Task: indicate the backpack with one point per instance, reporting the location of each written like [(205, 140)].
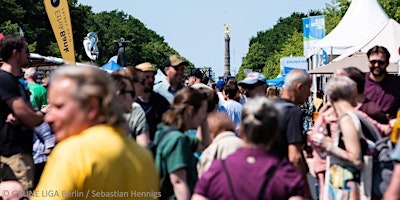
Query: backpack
[(152, 146), (382, 162)]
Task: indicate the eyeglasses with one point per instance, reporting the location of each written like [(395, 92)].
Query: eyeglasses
[(380, 62), (131, 92)]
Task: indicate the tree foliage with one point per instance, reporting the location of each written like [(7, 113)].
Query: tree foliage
[(144, 44)]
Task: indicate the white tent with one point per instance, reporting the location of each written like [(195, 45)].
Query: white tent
[(358, 59), (361, 19), (388, 35)]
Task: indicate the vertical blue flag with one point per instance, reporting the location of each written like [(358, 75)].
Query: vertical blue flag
[(313, 31)]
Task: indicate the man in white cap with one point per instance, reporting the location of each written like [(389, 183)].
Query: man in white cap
[(254, 85)]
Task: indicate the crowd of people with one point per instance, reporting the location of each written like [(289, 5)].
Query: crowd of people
[(90, 134)]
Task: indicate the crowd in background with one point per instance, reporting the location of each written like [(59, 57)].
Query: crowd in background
[(119, 135)]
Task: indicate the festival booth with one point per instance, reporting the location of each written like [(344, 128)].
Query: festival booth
[(362, 20), (358, 59)]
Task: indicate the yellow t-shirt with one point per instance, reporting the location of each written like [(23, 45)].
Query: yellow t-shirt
[(100, 162)]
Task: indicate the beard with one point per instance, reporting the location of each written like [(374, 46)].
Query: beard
[(376, 71), (147, 90)]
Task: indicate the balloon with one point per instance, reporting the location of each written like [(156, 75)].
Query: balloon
[(90, 45)]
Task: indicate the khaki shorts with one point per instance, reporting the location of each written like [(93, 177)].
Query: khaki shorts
[(23, 168)]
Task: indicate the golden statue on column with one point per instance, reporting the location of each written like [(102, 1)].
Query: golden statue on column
[(227, 26)]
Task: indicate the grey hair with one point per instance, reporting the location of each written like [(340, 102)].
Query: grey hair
[(294, 77), (91, 81), (260, 121), (30, 72), (341, 88)]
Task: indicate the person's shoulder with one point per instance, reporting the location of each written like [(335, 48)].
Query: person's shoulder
[(158, 97), (6, 76), (392, 78), (160, 85)]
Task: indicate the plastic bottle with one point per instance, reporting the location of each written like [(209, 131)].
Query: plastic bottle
[(394, 137), (322, 131)]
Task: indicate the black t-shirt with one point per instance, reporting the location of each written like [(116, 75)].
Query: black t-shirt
[(13, 138), (154, 110), (290, 126)]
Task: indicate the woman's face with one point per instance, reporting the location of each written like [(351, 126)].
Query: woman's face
[(198, 117), (126, 97), (65, 116)]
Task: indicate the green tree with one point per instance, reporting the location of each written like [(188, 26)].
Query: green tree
[(254, 59), (392, 8)]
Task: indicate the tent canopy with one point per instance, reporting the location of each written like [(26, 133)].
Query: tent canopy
[(361, 19), (388, 35), (279, 81), (111, 66), (358, 60)]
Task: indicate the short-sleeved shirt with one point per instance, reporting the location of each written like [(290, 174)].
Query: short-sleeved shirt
[(38, 95), (247, 168), (224, 144), (154, 110), (234, 110), (136, 120), (385, 93), (175, 151), (165, 90), (101, 161), (13, 138), (290, 127)]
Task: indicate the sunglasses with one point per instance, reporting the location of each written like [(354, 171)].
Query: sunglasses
[(135, 80), (131, 92), (177, 68), (250, 87), (380, 62)]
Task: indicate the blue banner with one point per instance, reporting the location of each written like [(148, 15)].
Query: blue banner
[(313, 31)]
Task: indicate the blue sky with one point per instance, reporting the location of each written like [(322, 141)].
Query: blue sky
[(196, 28)]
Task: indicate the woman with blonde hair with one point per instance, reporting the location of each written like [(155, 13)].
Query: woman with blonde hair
[(345, 150), (273, 92)]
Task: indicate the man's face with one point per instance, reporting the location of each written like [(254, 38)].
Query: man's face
[(23, 56), (65, 116), (378, 64), (302, 92), (175, 74), (148, 78), (257, 89)]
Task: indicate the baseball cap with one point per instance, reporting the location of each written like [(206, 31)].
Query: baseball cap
[(174, 60), (220, 84), (145, 67), (196, 73), (252, 78)]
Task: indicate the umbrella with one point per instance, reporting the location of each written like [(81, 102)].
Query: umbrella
[(111, 66)]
